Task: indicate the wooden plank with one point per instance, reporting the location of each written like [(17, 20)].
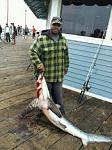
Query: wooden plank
[(79, 114), (42, 141), (16, 92), (6, 81), (95, 119), (66, 143), (9, 73), (9, 117), (18, 135), (13, 124), (70, 100), (21, 131), (13, 67), (5, 126), (18, 99), (19, 82), (14, 110)]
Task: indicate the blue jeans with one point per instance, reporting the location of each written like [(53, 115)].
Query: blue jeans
[(56, 92)]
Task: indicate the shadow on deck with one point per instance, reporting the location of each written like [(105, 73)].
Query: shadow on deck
[(17, 89)]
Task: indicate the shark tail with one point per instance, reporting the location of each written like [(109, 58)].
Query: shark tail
[(92, 138)]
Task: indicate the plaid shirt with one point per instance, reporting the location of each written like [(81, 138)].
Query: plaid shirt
[(54, 56)]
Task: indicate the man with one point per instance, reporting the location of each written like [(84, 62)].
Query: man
[(7, 33), (33, 32), (26, 31), (49, 54), (13, 32), (18, 30)]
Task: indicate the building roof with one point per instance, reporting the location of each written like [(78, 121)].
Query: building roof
[(40, 8)]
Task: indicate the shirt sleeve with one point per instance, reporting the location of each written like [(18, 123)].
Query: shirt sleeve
[(35, 52), (66, 56)]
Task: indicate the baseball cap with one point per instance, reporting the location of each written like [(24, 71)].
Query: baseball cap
[(56, 20)]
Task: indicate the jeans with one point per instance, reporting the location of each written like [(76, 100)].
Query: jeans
[(7, 37), (56, 92)]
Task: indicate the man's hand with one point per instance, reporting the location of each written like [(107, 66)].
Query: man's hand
[(41, 68)]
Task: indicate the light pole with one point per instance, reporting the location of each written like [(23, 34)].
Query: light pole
[(25, 17), (7, 11)]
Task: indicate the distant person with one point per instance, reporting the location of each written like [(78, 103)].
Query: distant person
[(21, 30), (11, 30), (33, 32), (18, 30), (26, 31), (14, 34), (7, 33), (0, 31)]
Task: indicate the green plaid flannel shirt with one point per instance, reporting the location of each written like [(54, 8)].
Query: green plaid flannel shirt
[(54, 56)]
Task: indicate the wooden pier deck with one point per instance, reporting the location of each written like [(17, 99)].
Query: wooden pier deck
[(17, 89)]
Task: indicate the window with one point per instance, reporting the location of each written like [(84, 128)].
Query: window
[(85, 20)]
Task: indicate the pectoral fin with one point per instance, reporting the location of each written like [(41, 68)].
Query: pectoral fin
[(54, 108), (56, 111)]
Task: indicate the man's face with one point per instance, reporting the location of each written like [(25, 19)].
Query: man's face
[(55, 28)]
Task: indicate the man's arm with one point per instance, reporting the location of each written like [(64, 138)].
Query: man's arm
[(35, 52), (66, 65)]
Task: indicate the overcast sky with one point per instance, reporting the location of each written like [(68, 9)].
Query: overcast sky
[(17, 14)]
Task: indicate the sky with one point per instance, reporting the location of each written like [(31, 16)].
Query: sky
[(17, 15)]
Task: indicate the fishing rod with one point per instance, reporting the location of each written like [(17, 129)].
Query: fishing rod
[(86, 85)]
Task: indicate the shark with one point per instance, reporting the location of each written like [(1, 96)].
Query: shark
[(45, 103)]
